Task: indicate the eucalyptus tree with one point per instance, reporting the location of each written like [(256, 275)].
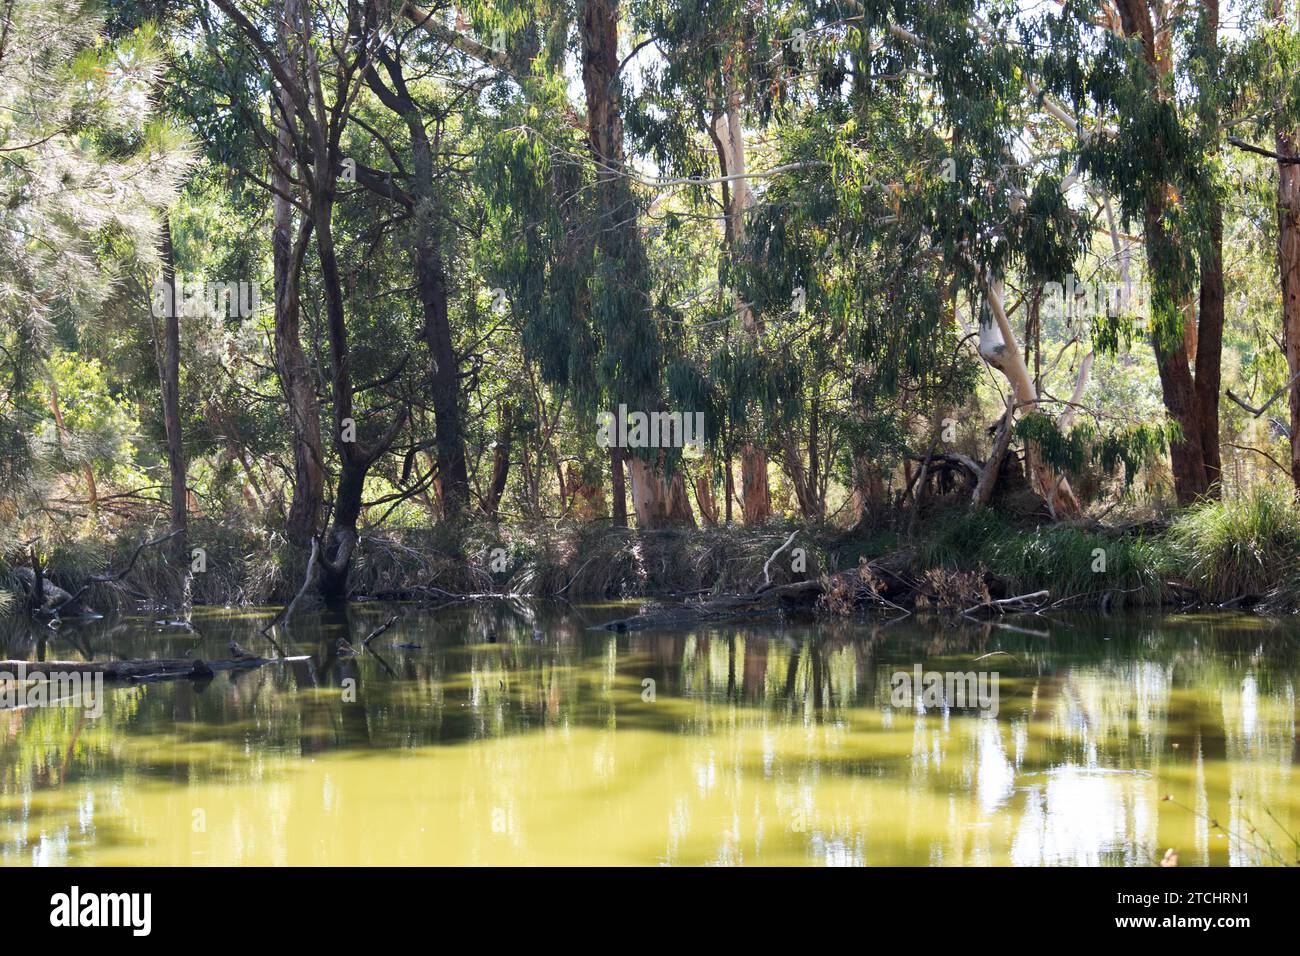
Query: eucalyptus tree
[(844, 265), (1147, 103), (905, 149), (317, 118), (1269, 62), (623, 307), (385, 76), (607, 286), (714, 65)]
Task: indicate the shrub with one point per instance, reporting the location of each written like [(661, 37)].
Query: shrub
[(1245, 546)]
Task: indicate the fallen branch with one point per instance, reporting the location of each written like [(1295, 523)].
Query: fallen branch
[(134, 670), (287, 611), (379, 630), (1020, 602), (110, 578), (769, 600), (767, 578)]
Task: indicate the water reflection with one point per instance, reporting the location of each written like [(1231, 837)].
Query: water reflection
[(523, 735)]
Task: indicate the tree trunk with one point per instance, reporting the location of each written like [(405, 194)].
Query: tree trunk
[(868, 487), (1288, 260), (290, 361), (340, 548), (804, 492), (755, 492), (729, 138), (1187, 455), (431, 278), (500, 463), (649, 503), (998, 347), (704, 497), (679, 502), (1192, 404), (1209, 352), (169, 374), (431, 283), (619, 242), (1288, 263), (618, 488)]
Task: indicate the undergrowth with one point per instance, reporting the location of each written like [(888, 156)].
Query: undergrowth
[(1244, 550)]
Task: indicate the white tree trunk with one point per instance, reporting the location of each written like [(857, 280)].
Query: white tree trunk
[(998, 347)]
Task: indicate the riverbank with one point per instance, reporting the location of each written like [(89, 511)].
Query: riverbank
[(1242, 554)]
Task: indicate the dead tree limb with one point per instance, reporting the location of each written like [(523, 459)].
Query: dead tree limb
[(1256, 412), (287, 611), (988, 478), (1019, 602), (133, 670), (379, 630), (110, 578), (767, 578)]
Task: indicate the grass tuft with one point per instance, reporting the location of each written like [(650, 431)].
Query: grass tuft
[(1241, 547)]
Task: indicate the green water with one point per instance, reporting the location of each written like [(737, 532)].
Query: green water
[(761, 744)]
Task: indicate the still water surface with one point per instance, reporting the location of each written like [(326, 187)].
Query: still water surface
[(518, 735)]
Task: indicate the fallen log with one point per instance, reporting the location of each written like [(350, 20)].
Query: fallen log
[(55, 601), (135, 670), (1021, 602), (769, 599)]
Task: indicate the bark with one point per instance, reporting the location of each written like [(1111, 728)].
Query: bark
[(169, 374), (756, 495), (679, 502), (618, 237), (729, 139), (618, 488), (444, 383), (431, 283), (1209, 351), (868, 487), (657, 501), (356, 458), (804, 490), (1288, 261), (988, 478), (998, 347), (290, 360), (1193, 404), (339, 548), (1066, 419), (649, 503), (704, 496), (500, 464)]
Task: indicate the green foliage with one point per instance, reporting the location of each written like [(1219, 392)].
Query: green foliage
[(1131, 447), (1064, 560), (1239, 547)]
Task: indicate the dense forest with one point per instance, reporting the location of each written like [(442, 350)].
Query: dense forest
[(368, 298)]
